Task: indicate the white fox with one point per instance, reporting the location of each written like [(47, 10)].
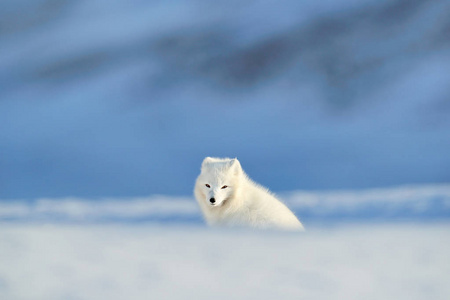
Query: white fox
[(227, 196)]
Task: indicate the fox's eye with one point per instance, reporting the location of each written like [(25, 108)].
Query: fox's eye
[(225, 186), (207, 185)]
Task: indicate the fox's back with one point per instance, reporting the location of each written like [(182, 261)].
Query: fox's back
[(266, 210)]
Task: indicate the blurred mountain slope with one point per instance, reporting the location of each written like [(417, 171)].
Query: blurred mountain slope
[(126, 98)]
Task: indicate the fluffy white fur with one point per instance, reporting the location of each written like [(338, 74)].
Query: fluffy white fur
[(238, 201)]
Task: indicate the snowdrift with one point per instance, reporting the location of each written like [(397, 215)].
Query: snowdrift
[(415, 203)]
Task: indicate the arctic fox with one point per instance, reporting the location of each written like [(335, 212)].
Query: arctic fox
[(227, 196)]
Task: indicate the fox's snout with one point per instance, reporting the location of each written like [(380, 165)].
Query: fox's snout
[(212, 200)]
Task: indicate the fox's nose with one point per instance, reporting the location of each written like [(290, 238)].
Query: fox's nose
[(212, 200)]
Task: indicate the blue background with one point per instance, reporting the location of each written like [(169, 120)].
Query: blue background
[(109, 98)]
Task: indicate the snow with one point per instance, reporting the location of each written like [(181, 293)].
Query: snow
[(389, 243), (413, 202), (50, 262)]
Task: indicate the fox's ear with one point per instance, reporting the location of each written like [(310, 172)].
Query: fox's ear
[(235, 166), (206, 161)]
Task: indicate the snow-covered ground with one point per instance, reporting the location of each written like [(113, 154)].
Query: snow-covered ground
[(414, 203), (59, 262), (391, 243)]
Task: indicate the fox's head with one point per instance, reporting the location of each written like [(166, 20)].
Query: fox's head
[(218, 179)]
